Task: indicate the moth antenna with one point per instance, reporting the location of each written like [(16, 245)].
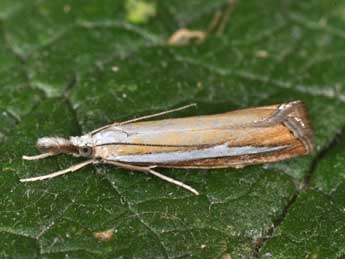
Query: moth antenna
[(143, 118), (159, 114)]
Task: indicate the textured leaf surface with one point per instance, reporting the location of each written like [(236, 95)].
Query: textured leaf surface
[(68, 67)]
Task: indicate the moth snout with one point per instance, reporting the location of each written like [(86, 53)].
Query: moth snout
[(55, 145)]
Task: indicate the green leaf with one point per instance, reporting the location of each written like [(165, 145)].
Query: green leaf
[(68, 67)]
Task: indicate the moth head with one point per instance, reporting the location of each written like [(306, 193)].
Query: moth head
[(83, 144), (76, 146), (56, 145)]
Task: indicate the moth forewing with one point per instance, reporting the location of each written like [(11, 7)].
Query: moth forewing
[(232, 139)]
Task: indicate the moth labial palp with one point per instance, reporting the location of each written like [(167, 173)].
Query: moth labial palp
[(229, 140)]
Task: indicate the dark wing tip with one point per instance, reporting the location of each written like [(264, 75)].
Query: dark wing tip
[(296, 118)]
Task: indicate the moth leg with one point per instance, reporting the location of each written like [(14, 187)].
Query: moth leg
[(150, 171), (61, 172), (40, 156)]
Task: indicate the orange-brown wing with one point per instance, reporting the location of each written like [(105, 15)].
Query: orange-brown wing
[(255, 135)]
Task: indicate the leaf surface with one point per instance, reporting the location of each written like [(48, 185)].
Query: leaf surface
[(68, 67)]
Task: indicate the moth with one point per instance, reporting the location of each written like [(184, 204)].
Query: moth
[(232, 139)]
